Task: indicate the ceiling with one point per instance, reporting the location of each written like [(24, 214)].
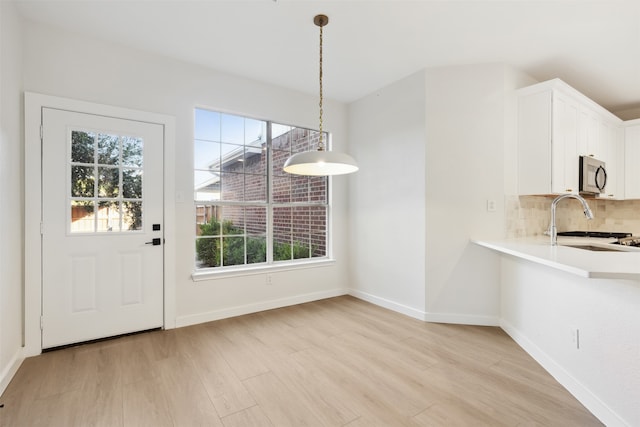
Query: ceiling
[(592, 45)]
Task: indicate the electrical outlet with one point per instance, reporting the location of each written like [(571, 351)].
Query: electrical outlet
[(491, 205), (269, 280)]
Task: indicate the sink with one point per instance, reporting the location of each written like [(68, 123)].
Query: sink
[(596, 248)]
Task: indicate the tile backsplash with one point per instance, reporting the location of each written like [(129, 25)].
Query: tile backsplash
[(530, 215)]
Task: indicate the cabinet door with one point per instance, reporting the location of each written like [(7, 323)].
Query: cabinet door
[(612, 137), (632, 159), (589, 141), (534, 143), (564, 156)]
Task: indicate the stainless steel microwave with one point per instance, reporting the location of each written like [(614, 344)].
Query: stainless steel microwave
[(593, 175)]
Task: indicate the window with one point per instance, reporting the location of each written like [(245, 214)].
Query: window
[(248, 210), (105, 175)]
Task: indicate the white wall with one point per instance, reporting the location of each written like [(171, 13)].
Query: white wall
[(434, 145), (11, 177), (465, 143), (387, 137), (541, 306), (64, 64)]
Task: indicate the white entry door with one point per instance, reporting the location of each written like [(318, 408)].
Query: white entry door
[(102, 230)]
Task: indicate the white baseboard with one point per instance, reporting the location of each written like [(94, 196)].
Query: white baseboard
[(598, 408), (209, 316), (10, 370), (391, 305), (463, 319)]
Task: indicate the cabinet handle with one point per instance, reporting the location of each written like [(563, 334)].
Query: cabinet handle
[(569, 190)]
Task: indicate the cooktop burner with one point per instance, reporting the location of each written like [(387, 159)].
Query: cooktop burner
[(604, 234)]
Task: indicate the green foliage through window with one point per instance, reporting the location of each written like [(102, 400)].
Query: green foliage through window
[(213, 235)]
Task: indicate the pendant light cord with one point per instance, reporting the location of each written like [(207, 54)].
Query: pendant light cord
[(321, 143)]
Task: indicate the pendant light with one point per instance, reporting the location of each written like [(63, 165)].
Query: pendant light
[(320, 162)]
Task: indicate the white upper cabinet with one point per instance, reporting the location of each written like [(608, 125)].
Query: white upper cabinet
[(632, 158), (612, 137), (557, 125)]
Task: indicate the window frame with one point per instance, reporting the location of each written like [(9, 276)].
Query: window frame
[(270, 265)]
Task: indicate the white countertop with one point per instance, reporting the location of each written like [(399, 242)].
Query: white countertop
[(624, 264)]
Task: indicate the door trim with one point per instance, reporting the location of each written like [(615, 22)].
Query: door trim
[(33, 104)]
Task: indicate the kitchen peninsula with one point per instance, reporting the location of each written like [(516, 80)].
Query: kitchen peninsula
[(574, 310), (617, 263)]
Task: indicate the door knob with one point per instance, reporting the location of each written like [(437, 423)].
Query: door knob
[(155, 242)]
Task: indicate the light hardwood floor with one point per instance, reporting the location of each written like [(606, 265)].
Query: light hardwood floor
[(336, 362)]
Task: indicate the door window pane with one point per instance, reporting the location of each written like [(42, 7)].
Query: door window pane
[(82, 217), (132, 216), (82, 181), (82, 147), (132, 151), (108, 149), (108, 182), (108, 218), (132, 183)]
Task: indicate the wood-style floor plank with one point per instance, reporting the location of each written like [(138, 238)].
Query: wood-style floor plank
[(335, 362)]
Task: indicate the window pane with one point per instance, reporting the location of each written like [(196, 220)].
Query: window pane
[(300, 227), (281, 191), (82, 217), (132, 183), (282, 234), (233, 251), (281, 137), (232, 220), (232, 129), (300, 188), (318, 189), (206, 185), (206, 220), (206, 155), (254, 131), (82, 147), (303, 140), (256, 220), (232, 187), (256, 249), (231, 159), (108, 149), (318, 230), (255, 188), (207, 125), (255, 159), (132, 216), (82, 181), (132, 151), (278, 158), (108, 182), (208, 252), (108, 216)]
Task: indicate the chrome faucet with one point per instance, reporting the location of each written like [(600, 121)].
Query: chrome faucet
[(553, 231)]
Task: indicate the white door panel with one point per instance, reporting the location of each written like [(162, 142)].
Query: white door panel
[(102, 195)]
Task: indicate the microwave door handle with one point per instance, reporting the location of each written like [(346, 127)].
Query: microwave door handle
[(604, 183)]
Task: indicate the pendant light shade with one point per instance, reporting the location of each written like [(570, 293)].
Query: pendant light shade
[(320, 162)]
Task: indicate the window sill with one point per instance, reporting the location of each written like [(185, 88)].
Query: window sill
[(203, 275)]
